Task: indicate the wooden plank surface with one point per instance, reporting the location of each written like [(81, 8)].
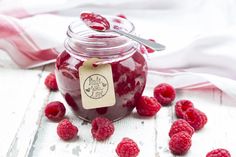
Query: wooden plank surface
[(26, 132)]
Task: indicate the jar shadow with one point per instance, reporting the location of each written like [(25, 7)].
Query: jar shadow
[(137, 116)]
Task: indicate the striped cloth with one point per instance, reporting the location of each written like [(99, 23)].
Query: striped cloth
[(200, 35)]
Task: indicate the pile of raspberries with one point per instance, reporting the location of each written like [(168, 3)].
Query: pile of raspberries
[(190, 120)]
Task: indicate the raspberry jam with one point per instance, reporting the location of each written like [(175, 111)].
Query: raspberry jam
[(95, 21), (129, 68)]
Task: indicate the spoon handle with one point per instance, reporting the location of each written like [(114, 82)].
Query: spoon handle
[(148, 43)]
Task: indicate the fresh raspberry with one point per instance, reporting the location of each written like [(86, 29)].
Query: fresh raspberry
[(127, 148), (181, 107), (164, 93), (147, 106), (55, 110), (66, 130), (181, 125), (51, 82), (149, 50), (196, 118), (180, 143), (218, 153), (122, 16), (102, 128)]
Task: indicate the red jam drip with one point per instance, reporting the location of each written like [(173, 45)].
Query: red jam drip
[(95, 21)]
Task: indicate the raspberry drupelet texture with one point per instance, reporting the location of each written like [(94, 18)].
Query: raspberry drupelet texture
[(181, 107), (164, 93), (220, 152), (179, 126), (66, 130), (55, 111), (102, 128), (180, 143), (127, 148), (147, 106), (51, 82), (196, 118)]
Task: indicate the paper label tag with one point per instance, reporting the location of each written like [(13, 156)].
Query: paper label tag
[(96, 85)]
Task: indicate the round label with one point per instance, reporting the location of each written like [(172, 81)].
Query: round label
[(95, 86)]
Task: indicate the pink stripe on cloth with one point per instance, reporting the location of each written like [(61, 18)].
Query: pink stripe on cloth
[(163, 71), (194, 85), (26, 36), (201, 85), (6, 30), (20, 46), (187, 84), (19, 58), (47, 54), (23, 59)]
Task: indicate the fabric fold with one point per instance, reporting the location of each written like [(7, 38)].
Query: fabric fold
[(200, 36)]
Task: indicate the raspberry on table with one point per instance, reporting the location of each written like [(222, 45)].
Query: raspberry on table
[(55, 111), (181, 107), (127, 148), (179, 126), (102, 128), (51, 82), (180, 143), (149, 50), (66, 130), (196, 118), (147, 106), (220, 152), (164, 93)]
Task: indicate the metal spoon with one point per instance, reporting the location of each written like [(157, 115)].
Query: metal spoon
[(148, 43), (101, 24)]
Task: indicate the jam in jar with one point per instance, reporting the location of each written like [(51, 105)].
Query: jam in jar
[(128, 66)]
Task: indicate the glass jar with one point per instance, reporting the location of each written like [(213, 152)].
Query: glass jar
[(129, 68)]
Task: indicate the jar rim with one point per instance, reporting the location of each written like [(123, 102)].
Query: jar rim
[(110, 19), (78, 33)]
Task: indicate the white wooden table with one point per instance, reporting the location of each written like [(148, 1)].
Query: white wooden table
[(25, 132)]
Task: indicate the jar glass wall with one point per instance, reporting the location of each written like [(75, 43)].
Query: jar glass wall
[(129, 68)]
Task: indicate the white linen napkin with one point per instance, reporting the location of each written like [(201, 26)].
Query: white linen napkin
[(200, 35)]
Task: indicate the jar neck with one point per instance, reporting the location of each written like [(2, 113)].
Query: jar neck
[(84, 43)]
